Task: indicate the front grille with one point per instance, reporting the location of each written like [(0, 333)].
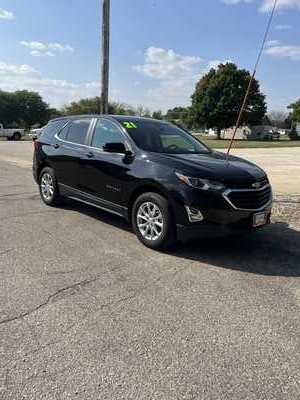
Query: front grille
[(249, 199), (247, 185)]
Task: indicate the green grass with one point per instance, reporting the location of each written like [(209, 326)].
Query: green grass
[(248, 144)]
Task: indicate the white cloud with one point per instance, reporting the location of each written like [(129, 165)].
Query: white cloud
[(161, 63), (291, 52), (267, 5), (39, 49), (17, 70), (282, 27), (230, 2), (55, 91), (272, 43), (8, 15), (38, 53), (34, 45), (60, 47), (176, 76)]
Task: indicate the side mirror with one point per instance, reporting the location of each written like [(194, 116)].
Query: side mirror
[(116, 148)]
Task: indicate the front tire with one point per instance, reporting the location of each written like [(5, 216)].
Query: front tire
[(152, 221), (48, 187)]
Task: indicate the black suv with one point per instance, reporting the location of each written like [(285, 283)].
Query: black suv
[(156, 175)]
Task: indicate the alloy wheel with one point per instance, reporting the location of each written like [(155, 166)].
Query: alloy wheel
[(150, 221), (47, 186)]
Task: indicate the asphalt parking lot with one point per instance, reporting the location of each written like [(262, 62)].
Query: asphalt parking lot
[(87, 312)]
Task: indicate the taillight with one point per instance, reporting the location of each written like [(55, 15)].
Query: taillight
[(36, 144)]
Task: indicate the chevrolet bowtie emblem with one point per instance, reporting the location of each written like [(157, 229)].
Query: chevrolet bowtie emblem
[(256, 185)]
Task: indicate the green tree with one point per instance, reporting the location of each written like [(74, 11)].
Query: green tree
[(30, 108), (181, 116), (157, 114), (121, 109), (23, 108), (83, 106), (218, 97), (176, 114), (142, 111), (278, 119), (92, 106), (294, 115), (7, 114), (293, 119), (54, 113)]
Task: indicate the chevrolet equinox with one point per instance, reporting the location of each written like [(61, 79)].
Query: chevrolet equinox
[(153, 173)]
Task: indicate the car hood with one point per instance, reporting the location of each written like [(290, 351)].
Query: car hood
[(215, 166)]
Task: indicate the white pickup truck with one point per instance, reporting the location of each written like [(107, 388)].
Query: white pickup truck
[(11, 134)]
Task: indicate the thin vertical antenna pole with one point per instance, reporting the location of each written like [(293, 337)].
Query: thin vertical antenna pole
[(239, 119)]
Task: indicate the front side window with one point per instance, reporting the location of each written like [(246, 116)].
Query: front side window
[(162, 137), (77, 131), (106, 132)]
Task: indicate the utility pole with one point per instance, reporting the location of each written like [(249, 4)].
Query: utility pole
[(105, 56)]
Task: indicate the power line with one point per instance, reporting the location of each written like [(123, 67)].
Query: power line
[(252, 77)]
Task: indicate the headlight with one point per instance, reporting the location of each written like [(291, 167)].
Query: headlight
[(199, 183)]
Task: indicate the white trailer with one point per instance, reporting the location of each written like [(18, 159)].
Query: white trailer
[(298, 128), (11, 134)]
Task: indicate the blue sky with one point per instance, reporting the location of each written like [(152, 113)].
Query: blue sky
[(159, 48)]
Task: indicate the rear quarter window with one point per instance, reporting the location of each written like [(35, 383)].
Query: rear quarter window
[(63, 134), (51, 129)]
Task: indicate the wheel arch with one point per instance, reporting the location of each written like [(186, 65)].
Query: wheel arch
[(43, 164), (146, 188)]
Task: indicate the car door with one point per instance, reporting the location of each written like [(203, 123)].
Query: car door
[(71, 147), (106, 175)]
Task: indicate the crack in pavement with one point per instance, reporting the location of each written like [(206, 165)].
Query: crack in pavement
[(79, 285), (16, 194), (88, 313), (156, 342), (28, 213), (6, 251), (49, 299)]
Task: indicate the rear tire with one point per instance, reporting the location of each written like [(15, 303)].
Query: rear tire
[(49, 188), (16, 136), (153, 222)]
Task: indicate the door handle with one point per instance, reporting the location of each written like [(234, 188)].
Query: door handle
[(56, 145), (90, 154)]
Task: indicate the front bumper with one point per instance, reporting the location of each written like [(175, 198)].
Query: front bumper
[(219, 216), (208, 229)]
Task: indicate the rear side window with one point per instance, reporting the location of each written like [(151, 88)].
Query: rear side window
[(77, 131), (51, 129), (106, 132)]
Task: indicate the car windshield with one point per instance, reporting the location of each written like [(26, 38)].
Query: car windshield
[(163, 137)]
